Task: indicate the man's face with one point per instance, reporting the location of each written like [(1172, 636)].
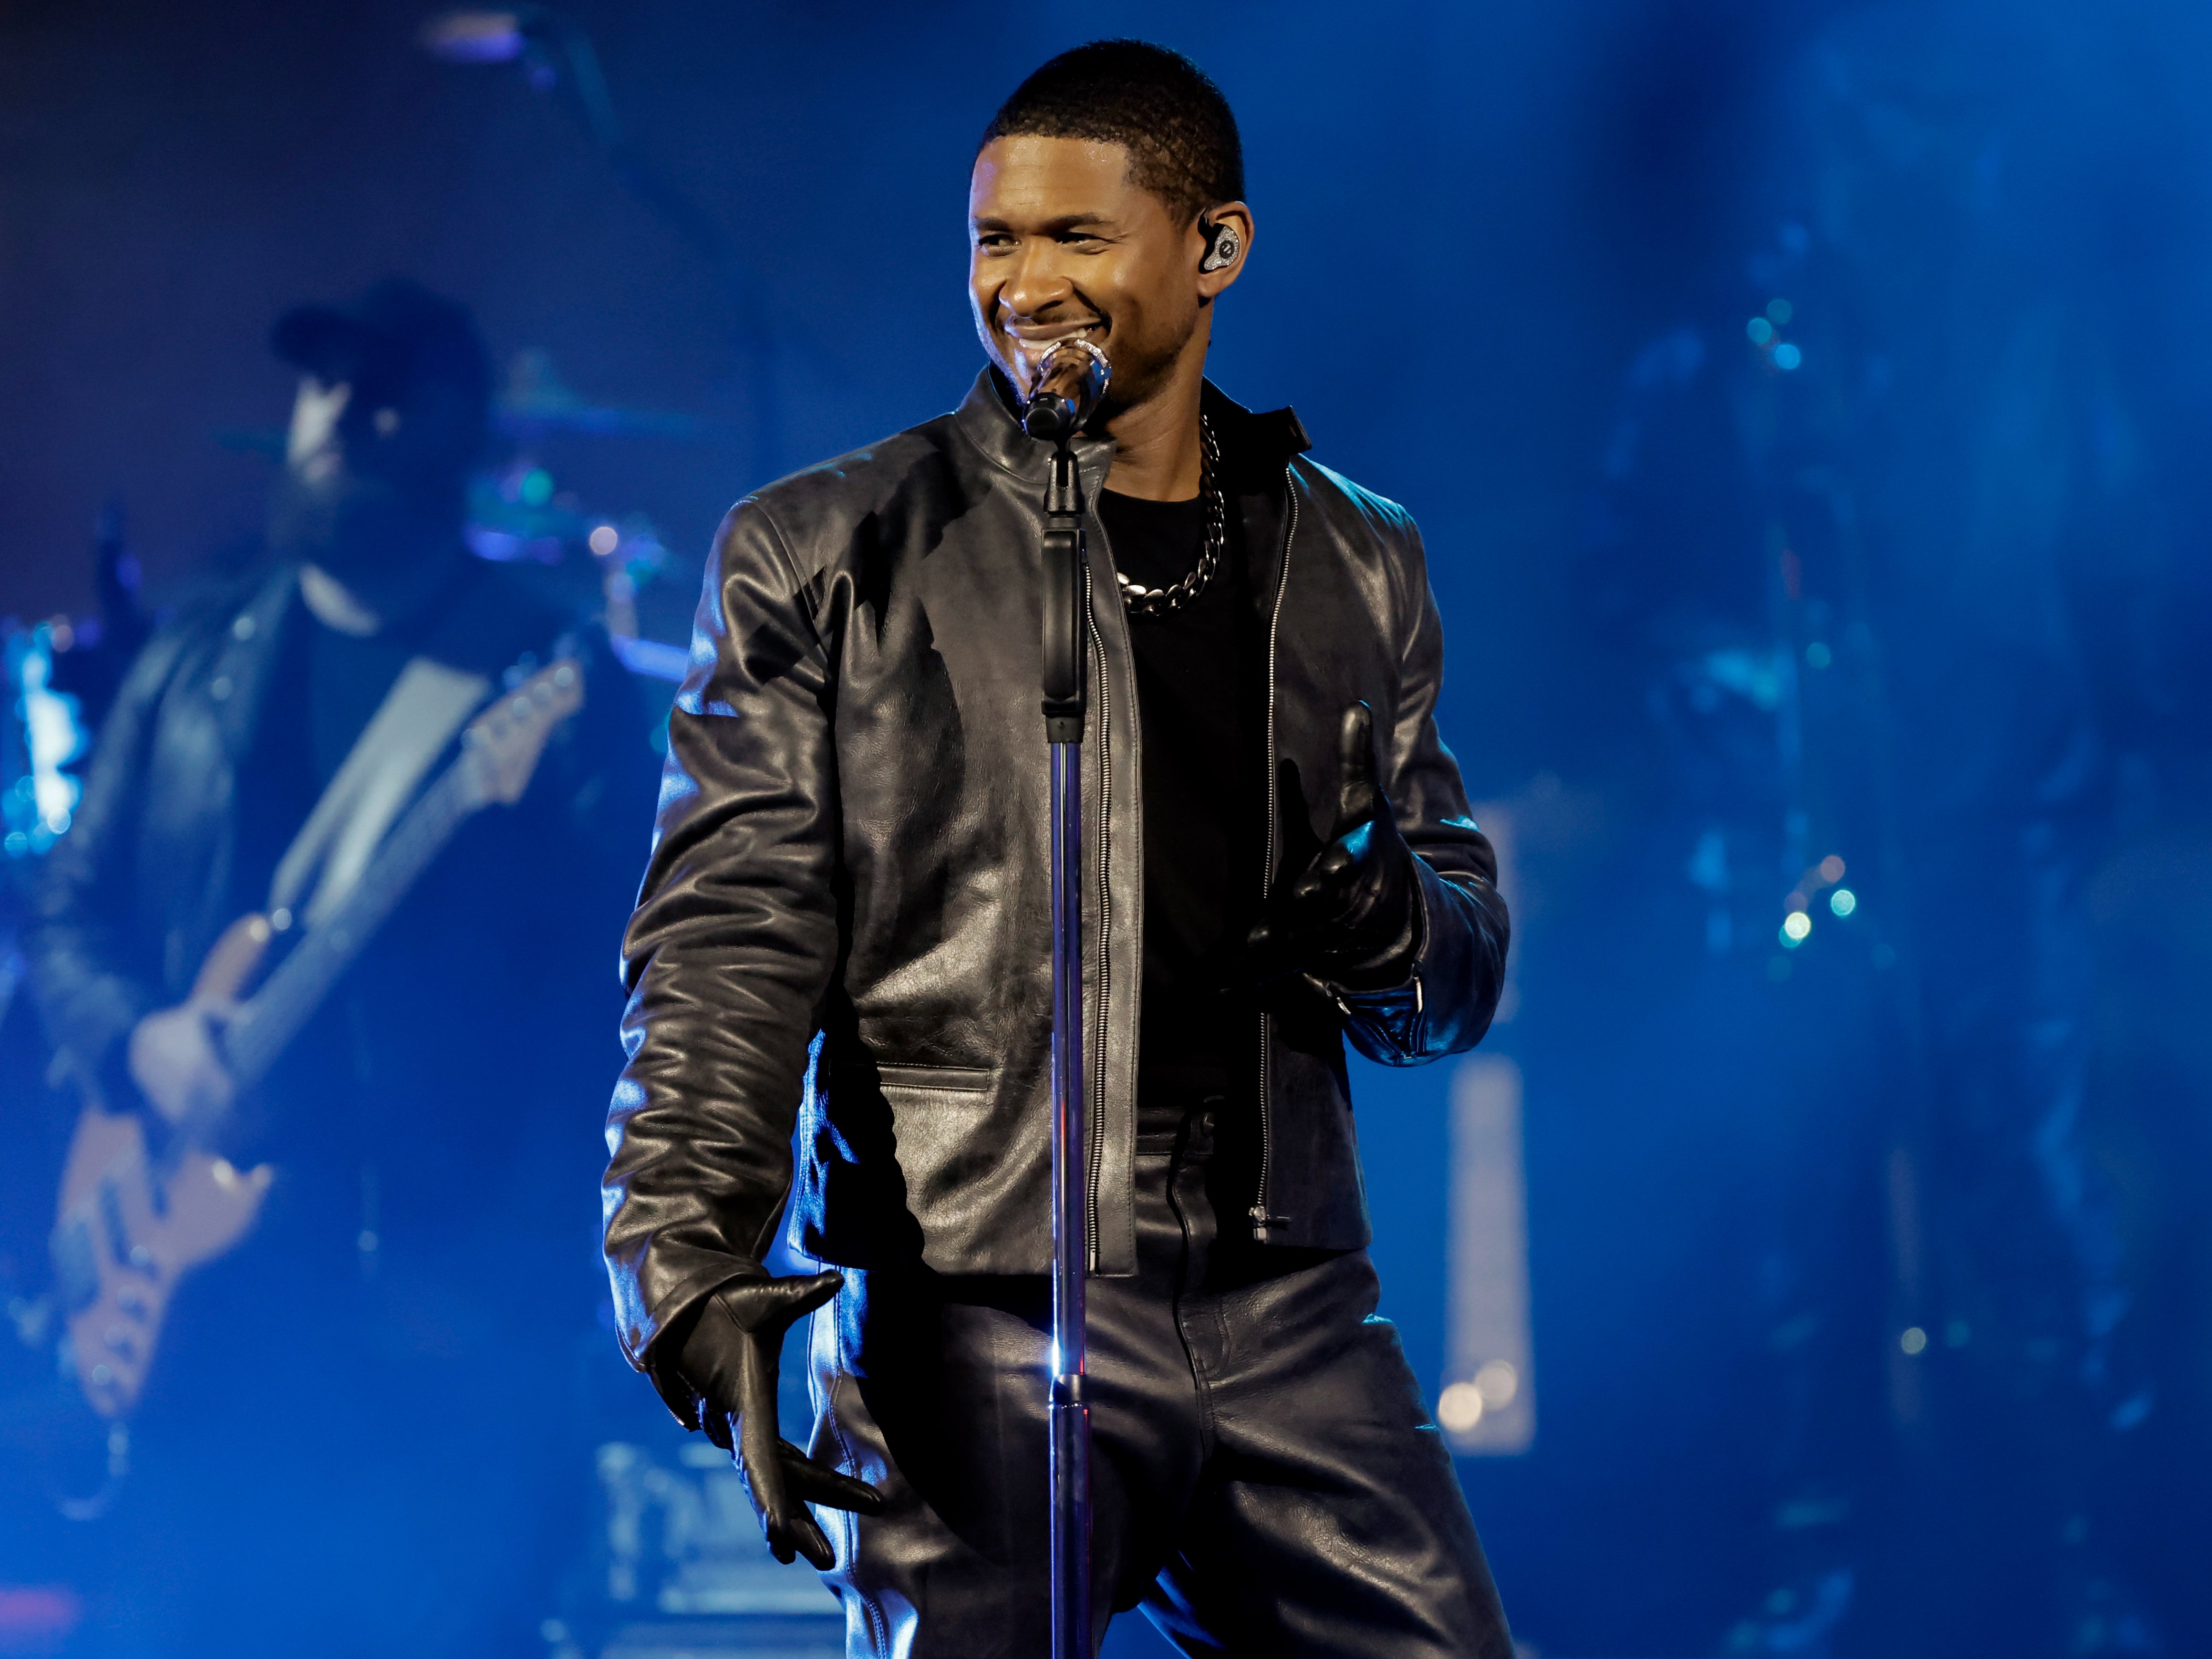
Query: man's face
[(1062, 243), (364, 478)]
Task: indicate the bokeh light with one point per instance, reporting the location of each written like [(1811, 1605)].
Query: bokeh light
[(1459, 1408)]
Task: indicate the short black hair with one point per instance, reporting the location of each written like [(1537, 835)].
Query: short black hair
[(1156, 104)]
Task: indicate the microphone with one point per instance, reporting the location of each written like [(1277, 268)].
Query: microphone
[(1071, 379)]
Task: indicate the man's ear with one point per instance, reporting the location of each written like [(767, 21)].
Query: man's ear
[(1224, 235)]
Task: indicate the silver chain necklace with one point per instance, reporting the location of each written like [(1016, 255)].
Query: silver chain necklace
[(1142, 601)]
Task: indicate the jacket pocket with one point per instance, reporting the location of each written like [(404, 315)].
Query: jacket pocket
[(941, 1128), (951, 1079)]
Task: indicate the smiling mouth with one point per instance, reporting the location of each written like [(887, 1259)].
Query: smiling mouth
[(1035, 339), (1031, 343)]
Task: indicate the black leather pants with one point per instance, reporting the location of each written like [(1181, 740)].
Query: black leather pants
[(1266, 1478)]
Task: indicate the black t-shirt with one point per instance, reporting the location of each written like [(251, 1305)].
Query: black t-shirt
[(348, 678), (408, 1105), (327, 687), (1199, 696)]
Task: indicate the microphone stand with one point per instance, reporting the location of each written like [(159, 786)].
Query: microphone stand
[(1067, 699)]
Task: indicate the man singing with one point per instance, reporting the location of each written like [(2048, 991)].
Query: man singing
[(845, 927)]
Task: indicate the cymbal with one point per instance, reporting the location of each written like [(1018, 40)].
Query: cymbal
[(536, 399)]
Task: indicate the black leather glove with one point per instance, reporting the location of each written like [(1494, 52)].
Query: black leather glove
[(1351, 915), (731, 1359)]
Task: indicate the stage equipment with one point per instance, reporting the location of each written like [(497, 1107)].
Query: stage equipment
[(1070, 380)]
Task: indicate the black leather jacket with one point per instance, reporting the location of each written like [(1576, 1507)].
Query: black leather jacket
[(852, 847), (149, 874)]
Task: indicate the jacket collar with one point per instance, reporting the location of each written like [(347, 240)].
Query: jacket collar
[(1254, 448)]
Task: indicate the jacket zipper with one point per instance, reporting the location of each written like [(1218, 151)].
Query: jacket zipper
[(1094, 1107), (1261, 1220)]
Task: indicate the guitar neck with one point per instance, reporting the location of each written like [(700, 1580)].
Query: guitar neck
[(268, 1021)]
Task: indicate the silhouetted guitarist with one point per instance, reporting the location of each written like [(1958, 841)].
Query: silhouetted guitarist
[(350, 1415)]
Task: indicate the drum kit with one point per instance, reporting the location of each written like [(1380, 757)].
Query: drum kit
[(520, 514)]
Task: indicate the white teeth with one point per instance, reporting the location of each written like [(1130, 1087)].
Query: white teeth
[(1031, 350), (1042, 343)]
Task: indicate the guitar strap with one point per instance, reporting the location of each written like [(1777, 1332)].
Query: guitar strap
[(418, 717)]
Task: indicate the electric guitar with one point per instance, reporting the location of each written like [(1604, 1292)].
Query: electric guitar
[(132, 1221)]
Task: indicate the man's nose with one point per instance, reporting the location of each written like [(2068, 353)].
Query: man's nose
[(316, 412), (1037, 280)]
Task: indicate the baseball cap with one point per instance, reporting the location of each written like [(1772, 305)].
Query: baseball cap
[(395, 341)]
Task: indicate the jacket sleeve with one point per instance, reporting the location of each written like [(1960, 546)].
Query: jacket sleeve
[(729, 953), (90, 986), (1445, 1004)]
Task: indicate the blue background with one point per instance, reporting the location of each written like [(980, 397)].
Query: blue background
[(1505, 262)]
